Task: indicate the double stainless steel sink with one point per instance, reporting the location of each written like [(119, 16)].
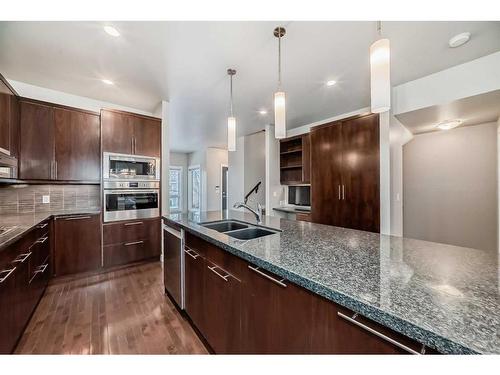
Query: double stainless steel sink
[(239, 230)]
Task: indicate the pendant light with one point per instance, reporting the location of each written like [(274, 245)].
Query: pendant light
[(231, 120), (279, 96), (380, 74)]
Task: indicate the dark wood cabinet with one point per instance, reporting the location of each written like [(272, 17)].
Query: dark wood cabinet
[(241, 308), (36, 160), (129, 133), (9, 119), (77, 145), (345, 179), (58, 143), (77, 244), (295, 160), (24, 274), (131, 241)]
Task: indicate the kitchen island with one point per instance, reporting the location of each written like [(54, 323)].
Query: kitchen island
[(444, 297)]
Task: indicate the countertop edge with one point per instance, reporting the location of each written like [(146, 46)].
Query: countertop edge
[(400, 325), (50, 215)]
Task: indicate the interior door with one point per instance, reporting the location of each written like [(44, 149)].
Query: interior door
[(37, 142), (117, 132), (326, 182), (77, 145), (361, 173)]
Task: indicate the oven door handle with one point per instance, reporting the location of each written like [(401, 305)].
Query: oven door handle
[(132, 190)]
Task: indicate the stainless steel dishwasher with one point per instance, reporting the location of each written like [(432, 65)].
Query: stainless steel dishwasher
[(173, 264)]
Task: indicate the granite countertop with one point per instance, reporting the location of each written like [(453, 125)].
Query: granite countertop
[(292, 210), (444, 296), (26, 222)]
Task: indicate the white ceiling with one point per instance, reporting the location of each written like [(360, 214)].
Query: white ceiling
[(185, 63)]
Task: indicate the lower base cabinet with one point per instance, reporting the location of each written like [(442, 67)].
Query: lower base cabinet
[(77, 244), (241, 308), (24, 275), (131, 241)]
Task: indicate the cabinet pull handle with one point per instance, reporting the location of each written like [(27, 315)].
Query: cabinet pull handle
[(339, 192), (8, 273), (136, 223), (77, 218), (134, 243), (188, 252), (132, 145), (42, 240), (376, 333), (41, 226), (21, 258), (55, 168), (225, 278), (279, 282), (343, 192)]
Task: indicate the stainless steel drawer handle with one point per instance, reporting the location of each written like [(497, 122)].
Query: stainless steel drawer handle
[(136, 223), (42, 240), (41, 226), (21, 258), (42, 268), (134, 243), (77, 218), (7, 274), (188, 252), (279, 282), (376, 333), (225, 278)]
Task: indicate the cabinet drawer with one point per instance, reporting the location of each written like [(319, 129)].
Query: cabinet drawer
[(303, 217), (129, 231), (128, 252)]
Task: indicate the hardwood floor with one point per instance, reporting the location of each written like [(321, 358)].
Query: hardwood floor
[(123, 311)]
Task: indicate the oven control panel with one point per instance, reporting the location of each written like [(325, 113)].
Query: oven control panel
[(131, 184)]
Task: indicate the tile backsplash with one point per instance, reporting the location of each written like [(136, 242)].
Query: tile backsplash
[(29, 198)]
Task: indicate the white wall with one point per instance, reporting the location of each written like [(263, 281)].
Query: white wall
[(450, 185), (236, 173), (472, 78), (255, 167), (216, 157), (274, 191), (180, 159), (58, 97)]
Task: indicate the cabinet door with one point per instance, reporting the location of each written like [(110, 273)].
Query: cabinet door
[(326, 161), (306, 158), (117, 132), (37, 142), (361, 173), (77, 244), (9, 334), (147, 136), (222, 309), (77, 145), (5, 97), (194, 292)]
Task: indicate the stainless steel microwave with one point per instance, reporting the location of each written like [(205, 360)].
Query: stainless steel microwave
[(125, 167)]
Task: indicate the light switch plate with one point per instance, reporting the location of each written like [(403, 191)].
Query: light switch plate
[(45, 198)]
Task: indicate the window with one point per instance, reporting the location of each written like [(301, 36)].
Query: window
[(194, 188), (175, 189)]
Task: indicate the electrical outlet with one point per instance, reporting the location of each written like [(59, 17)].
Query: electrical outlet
[(45, 199)]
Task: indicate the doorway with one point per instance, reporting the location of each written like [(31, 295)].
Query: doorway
[(224, 178)]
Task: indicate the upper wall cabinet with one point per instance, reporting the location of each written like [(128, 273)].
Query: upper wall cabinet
[(295, 161), (9, 119), (58, 143), (128, 133)]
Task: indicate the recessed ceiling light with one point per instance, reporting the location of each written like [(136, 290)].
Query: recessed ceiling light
[(111, 30), (107, 81), (450, 124), (263, 112), (459, 40), (331, 83)]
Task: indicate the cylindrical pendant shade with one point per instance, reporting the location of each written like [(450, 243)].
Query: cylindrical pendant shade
[(380, 80), (279, 115), (231, 134)]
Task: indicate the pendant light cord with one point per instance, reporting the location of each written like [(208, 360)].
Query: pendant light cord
[(231, 94), (279, 61), (379, 28)]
